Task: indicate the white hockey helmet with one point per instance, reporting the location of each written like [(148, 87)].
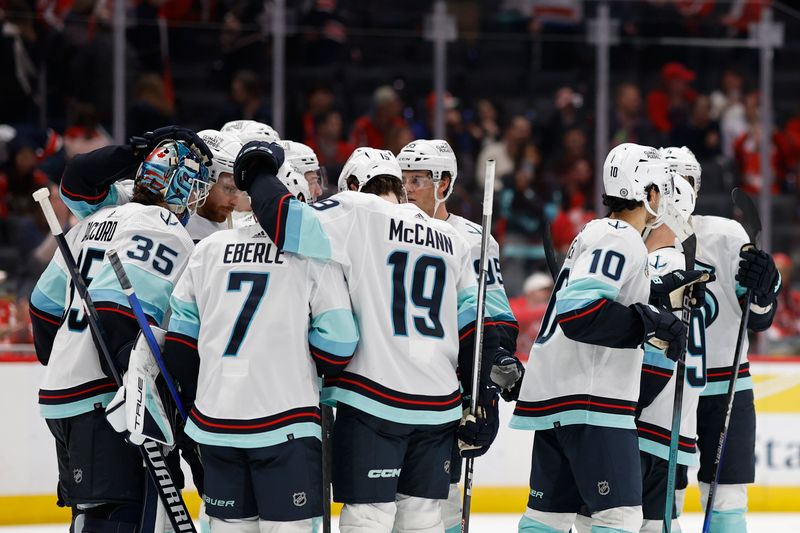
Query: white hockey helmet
[(250, 130), (294, 181), (683, 161), (685, 197), (224, 148), (300, 155), (433, 155), (366, 163), (630, 169)]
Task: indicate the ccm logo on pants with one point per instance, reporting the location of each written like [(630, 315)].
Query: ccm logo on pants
[(386, 472)]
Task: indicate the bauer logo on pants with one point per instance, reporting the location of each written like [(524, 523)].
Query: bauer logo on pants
[(603, 488), (299, 499)]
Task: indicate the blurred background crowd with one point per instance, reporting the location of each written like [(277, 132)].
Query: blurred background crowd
[(520, 81)]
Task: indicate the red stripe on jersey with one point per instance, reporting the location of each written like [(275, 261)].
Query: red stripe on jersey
[(46, 319), (587, 312), (656, 373), (79, 393), (576, 402), (331, 361), (400, 400), (278, 222), (667, 437), (254, 426), (76, 195), (176, 339)]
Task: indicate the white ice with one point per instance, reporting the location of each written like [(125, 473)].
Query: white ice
[(501, 523)]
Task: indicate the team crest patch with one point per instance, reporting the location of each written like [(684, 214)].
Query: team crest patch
[(299, 499), (603, 488), (77, 475)]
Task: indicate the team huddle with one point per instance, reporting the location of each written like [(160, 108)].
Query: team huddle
[(269, 304)]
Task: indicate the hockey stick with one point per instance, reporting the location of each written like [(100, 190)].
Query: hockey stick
[(326, 420), (549, 251), (488, 198), (151, 452), (144, 325), (752, 225)]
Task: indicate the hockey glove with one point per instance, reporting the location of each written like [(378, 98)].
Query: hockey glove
[(758, 273), (667, 291), (254, 157), (144, 144), (662, 329), (507, 372), (476, 433)]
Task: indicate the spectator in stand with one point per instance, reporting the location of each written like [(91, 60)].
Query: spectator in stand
[(669, 106), (509, 152), (629, 124), (568, 114), (331, 149), (701, 133), (18, 63), (151, 108), (456, 130), (742, 14), (529, 309), (397, 137), (320, 102), (242, 38), (372, 129), (784, 335), (325, 43), (727, 108), (486, 128), (570, 173), (246, 101), (747, 152), (85, 134)]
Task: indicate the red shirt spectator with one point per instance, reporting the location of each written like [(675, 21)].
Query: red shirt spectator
[(670, 104), (327, 142), (372, 130)]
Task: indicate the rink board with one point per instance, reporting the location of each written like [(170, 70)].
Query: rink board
[(28, 466)]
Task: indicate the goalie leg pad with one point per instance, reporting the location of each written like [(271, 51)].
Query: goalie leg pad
[(423, 515), (367, 517)]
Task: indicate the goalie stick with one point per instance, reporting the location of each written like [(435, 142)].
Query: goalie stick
[(752, 225), (488, 199), (152, 455)]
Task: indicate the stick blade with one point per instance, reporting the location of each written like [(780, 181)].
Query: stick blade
[(751, 221)]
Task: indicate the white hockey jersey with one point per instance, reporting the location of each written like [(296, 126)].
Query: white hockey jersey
[(568, 382), (655, 421), (258, 318), (497, 306), (154, 248), (412, 287), (719, 242), (200, 227)]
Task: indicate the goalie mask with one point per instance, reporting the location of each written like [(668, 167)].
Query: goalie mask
[(175, 172)]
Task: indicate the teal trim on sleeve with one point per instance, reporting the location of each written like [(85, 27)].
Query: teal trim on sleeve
[(150, 289), (84, 209), (569, 418), (721, 387), (80, 407), (497, 305), (581, 292), (393, 414), (334, 331), (662, 451), (50, 292), (304, 233), (740, 290), (118, 297), (184, 327), (254, 440), (529, 525), (655, 357), (467, 306)]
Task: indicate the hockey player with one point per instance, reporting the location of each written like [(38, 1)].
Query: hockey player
[(582, 379), (100, 476), (249, 324), (736, 269), (215, 213), (659, 378), (303, 158), (429, 174), (414, 293)]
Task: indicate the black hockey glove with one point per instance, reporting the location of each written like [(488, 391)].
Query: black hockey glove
[(144, 144), (477, 433), (757, 272), (665, 291), (662, 329), (507, 372), (254, 157)]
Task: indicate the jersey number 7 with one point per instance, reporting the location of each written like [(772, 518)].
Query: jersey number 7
[(258, 286)]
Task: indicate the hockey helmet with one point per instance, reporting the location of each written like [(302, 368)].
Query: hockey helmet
[(250, 130), (224, 148), (366, 163), (294, 181), (304, 160), (435, 156), (684, 197), (683, 161)]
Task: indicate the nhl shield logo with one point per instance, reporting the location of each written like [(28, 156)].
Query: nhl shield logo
[(603, 488), (299, 499), (447, 466), (77, 475)]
